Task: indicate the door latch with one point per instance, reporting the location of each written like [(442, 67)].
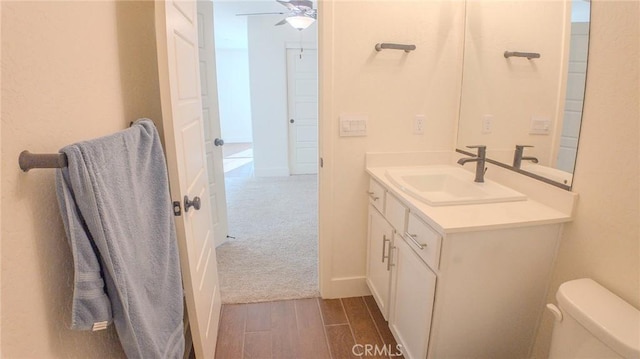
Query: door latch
[(177, 209)]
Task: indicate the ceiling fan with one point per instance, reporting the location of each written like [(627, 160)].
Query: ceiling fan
[(301, 13)]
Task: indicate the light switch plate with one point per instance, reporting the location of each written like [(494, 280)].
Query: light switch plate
[(353, 125), (540, 125)]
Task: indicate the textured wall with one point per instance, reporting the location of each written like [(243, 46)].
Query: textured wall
[(603, 242), (70, 71), (391, 87)]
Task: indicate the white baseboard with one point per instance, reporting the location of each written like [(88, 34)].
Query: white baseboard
[(346, 287), (270, 172)]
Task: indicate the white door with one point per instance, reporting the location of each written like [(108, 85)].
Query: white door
[(302, 94), (413, 291), (378, 262), (211, 117), (177, 44)]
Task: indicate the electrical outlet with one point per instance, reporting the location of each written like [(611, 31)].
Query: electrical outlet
[(418, 124), (487, 124)]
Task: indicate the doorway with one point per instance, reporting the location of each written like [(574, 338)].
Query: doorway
[(270, 162)]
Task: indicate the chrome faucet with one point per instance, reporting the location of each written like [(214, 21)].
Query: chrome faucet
[(518, 156), (480, 162)]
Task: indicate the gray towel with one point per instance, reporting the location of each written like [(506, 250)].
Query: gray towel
[(115, 205)]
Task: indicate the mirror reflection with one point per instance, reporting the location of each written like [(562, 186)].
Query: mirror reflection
[(523, 83)]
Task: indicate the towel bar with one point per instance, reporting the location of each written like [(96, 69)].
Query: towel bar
[(384, 45), (528, 55), (28, 160)]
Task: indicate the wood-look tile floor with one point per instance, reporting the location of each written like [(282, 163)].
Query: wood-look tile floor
[(305, 329)]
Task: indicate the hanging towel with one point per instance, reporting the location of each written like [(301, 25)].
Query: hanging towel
[(115, 205)]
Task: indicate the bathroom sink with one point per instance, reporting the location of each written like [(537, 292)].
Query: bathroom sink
[(449, 185)]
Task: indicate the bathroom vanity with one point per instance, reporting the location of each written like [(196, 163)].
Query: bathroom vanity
[(457, 276)]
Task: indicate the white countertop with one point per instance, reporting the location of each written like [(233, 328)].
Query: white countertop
[(473, 217)]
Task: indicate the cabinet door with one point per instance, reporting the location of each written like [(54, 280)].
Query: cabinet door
[(378, 269), (413, 290)]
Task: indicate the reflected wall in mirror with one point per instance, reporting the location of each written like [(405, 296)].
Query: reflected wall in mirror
[(516, 101)]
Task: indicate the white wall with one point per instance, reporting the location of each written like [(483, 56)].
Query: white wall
[(515, 89), (603, 242), (268, 79), (234, 97), (0, 188), (391, 87), (70, 71)]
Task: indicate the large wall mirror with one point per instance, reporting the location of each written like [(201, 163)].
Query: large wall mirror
[(521, 99)]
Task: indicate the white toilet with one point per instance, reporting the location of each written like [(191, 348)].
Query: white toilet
[(592, 322)]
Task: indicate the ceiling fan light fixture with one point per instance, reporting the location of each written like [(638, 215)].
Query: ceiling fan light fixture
[(300, 22)]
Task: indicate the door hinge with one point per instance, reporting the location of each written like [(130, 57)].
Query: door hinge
[(321, 162), (177, 208)]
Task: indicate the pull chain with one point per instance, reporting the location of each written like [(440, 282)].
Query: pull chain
[(301, 48)]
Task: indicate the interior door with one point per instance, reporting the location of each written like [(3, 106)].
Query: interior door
[(302, 93), (178, 73), (211, 116)]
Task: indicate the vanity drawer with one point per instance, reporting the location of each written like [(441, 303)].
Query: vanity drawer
[(396, 213), (423, 240), (376, 195)]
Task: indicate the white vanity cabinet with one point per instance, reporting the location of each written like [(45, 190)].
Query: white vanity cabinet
[(463, 293), (413, 289), (378, 265), (491, 291), (400, 281)]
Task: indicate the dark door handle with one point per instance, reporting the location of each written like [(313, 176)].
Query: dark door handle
[(292, 121), (195, 203), (218, 142)]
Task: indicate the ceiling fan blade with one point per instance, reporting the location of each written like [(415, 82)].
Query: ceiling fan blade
[(302, 3), (284, 21), (287, 4), (261, 13)]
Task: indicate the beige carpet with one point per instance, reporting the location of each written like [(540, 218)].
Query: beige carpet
[(275, 253)]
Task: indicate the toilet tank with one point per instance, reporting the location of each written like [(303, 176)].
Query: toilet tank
[(594, 323)]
